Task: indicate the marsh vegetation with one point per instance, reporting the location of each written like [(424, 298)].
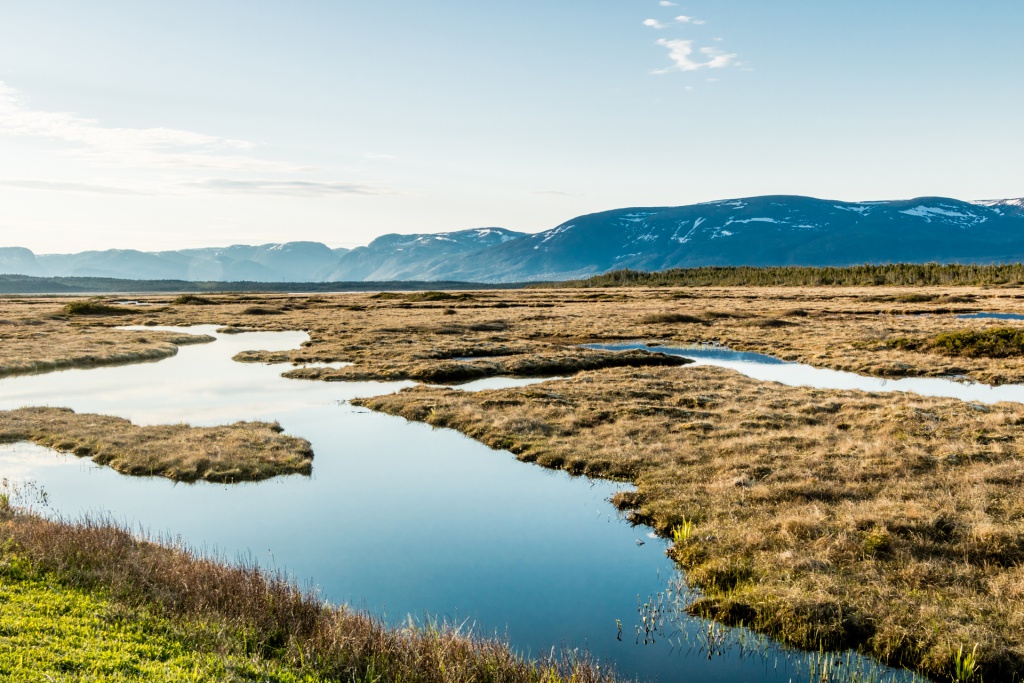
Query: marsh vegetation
[(812, 515), (891, 523)]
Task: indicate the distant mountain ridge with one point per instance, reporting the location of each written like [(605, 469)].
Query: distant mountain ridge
[(757, 231)]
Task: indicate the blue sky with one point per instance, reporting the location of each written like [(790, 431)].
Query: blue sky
[(153, 125)]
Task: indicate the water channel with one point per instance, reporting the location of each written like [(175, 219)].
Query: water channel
[(771, 369), (397, 518)]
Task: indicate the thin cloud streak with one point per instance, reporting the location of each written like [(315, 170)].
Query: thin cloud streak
[(63, 186), (288, 188), (556, 193)]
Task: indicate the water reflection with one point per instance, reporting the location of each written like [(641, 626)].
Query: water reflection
[(997, 316), (397, 517), (770, 369)]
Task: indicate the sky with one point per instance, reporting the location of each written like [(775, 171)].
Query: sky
[(192, 123)]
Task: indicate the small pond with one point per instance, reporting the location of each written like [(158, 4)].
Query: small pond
[(398, 518), (771, 369)]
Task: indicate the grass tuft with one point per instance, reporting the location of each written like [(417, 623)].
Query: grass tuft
[(94, 308), (193, 300)]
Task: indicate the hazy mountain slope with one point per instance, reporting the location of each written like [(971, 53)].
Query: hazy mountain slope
[(420, 257), (21, 261), (288, 262)]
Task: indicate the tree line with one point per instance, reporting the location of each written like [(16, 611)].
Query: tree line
[(895, 274)]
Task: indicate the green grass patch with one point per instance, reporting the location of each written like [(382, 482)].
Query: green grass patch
[(94, 308), (439, 296), (193, 300), (52, 632), (998, 342)]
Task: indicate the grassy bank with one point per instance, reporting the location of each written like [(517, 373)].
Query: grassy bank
[(91, 602), (887, 522), (244, 451)]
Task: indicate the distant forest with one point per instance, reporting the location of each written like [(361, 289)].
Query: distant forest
[(897, 274)]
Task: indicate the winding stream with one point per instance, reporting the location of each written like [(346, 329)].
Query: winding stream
[(398, 518)]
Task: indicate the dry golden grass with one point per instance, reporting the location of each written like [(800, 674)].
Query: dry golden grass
[(889, 522), (413, 335), (244, 451), (36, 336)]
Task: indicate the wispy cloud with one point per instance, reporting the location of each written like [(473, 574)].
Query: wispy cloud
[(290, 188), (681, 19), (64, 186), (133, 147), (681, 53), (556, 193), (666, 3)]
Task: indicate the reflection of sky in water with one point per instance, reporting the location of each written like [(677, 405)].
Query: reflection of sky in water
[(499, 383), (397, 517), (800, 375), (997, 316), (200, 385)]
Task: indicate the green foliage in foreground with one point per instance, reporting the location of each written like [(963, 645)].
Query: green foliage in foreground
[(892, 275), (51, 632)]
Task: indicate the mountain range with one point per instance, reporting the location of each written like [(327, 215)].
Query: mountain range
[(756, 231)]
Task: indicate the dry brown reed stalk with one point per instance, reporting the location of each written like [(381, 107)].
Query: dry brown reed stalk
[(265, 616), (243, 451)]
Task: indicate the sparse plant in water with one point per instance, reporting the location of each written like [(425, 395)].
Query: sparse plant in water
[(684, 532)]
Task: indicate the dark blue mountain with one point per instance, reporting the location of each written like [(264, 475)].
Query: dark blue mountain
[(758, 231)]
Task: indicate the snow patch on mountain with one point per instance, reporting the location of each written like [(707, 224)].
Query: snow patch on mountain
[(992, 203), (750, 220), (930, 212)]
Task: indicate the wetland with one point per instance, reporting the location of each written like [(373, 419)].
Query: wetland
[(824, 517)]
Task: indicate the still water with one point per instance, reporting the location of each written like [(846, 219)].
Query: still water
[(397, 518), (771, 369)]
